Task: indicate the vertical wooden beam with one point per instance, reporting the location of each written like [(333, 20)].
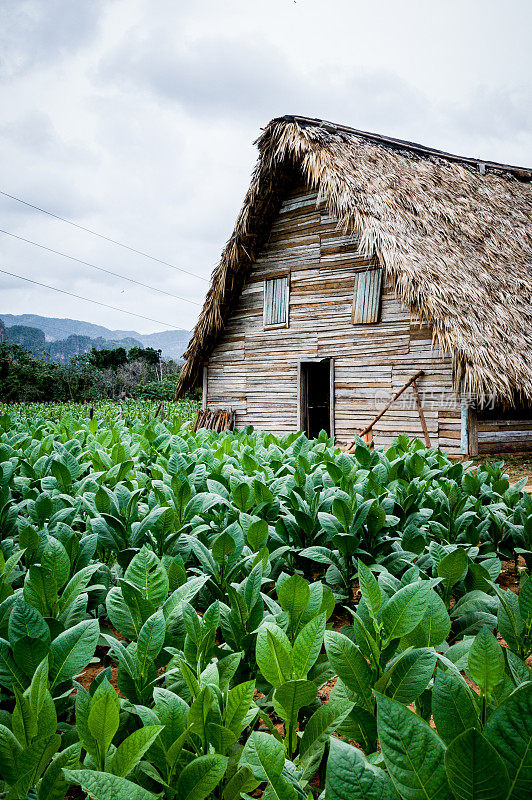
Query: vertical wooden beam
[(469, 428), (288, 299), (331, 397), (421, 415), (299, 398), (473, 432), (205, 386), (464, 426)]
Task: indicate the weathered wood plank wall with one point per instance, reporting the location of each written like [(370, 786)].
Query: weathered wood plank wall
[(254, 370), (499, 436)]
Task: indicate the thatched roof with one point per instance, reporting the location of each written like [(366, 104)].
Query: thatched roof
[(454, 236)]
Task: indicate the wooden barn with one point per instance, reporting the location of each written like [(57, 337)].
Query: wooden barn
[(358, 262)]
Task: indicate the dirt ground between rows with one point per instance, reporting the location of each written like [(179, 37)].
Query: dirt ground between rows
[(516, 465)]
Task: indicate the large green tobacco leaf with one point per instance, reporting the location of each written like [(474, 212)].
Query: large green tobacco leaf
[(307, 645), (10, 673), (34, 712), (151, 639), (221, 739), (148, 574), (242, 781), (350, 777), (29, 636), (131, 750), (33, 760), (223, 547), (453, 708), (359, 726), (127, 615), (199, 712), (409, 675), (486, 661), (292, 696), (434, 627), (509, 619), (265, 756), (104, 786), (452, 568), (40, 589), (351, 667), (474, 770), (274, 656), (53, 785), (326, 719), (509, 730), (55, 559), (525, 600), (239, 700), (369, 588), (72, 650), (293, 594), (405, 610), (103, 719), (76, 585), (10, 749), (201, 503), (201, 777), (61, 474), (413, 752)]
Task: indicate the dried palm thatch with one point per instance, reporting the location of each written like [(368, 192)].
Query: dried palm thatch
[(453, 235)]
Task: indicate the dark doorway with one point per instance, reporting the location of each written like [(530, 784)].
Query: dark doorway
[(316, 397)]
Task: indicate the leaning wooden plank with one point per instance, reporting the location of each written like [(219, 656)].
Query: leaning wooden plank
[(421, 415), (418, 374)]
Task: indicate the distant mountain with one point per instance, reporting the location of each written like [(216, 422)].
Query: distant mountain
[(74, 345), (61, 350), (29, 338), (172, 343)]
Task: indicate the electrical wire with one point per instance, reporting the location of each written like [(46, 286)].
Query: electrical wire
[(87, 299), (101, 269), (101, 236)]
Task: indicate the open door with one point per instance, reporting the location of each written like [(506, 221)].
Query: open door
[(315, 382)]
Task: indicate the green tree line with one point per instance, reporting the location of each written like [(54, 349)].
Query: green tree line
[(115, 373)]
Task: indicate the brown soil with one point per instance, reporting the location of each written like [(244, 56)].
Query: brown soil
[(89, 674), (516, 465), (326, 690), (510, 576), (340, 618), (75, 793), (106, 624)]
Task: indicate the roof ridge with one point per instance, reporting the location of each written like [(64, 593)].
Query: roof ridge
[(522, 173)]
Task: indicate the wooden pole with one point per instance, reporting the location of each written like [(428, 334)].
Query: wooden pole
[(421, 414), (418, 374)]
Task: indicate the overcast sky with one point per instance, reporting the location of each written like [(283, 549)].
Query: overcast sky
[(136, 118)]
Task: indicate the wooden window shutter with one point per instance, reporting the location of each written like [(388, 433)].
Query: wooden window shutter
[(367, 296), (276, 301)]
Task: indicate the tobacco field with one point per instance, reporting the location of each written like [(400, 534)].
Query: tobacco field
[(239, 615)]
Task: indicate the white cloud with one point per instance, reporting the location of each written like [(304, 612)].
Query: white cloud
[(37, 32), (137, 119)]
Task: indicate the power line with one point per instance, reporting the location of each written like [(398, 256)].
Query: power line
[(87, 299), (101, 236), (101, 269)]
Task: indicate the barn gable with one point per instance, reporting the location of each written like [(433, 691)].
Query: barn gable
[(256, 369)]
